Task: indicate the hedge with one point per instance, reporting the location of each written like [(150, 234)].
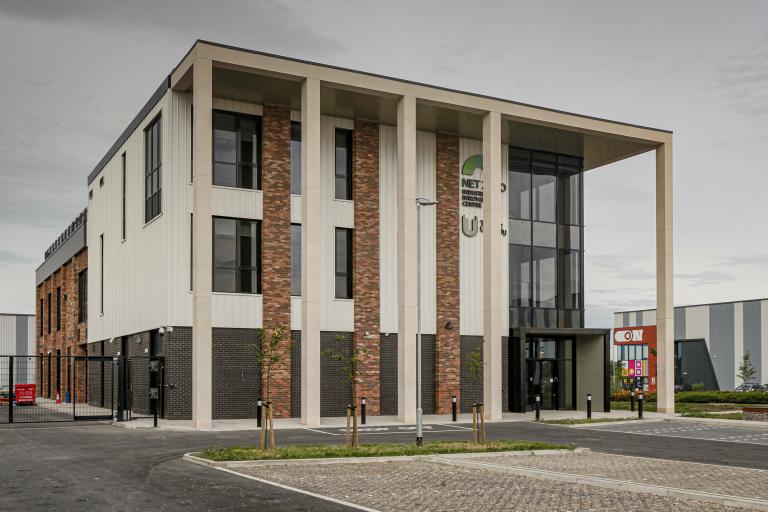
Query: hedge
[(703, 397)]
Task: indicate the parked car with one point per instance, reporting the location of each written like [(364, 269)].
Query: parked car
[(765, 388), (749, 386), (683, 387)]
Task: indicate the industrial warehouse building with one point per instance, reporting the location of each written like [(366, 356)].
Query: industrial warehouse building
[(710, 343), (256, 191), (17, 336)]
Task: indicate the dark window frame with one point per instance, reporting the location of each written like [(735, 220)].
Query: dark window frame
[(42, 317), (238, 268), (296, 147), (123, 206), (58, 308), (256, 167), (49, 313), (295, 272), (153, 166), (101, 272), (347, 177), (347, 273), (82, 296)]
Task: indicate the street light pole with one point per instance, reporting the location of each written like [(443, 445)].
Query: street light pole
[(420, 201)]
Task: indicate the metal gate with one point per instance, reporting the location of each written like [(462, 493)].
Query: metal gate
[(53, 388)]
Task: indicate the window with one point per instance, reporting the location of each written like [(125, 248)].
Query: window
[(82, 296), (58, 308), (570, 279), (544, 272), (152, 174), (520, 276), (49, 314), (236, 150), (343, 164), (236, 255), (123, 198), (191, 251), (296, 259), (42, 316), (295, 158), (343, 263), (101, 272), (543, 175)]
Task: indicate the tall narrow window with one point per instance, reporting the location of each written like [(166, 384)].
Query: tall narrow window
[(191, 250), (343, 263), (295, 157), (123, 204), (48, 324), (296, 259), (42, 317), (236, 150), (343, 164), (82, 296), (152, 173), (236, 255), (101, 272), (58, 308)]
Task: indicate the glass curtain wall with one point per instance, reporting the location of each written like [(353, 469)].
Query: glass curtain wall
[(545, 239)]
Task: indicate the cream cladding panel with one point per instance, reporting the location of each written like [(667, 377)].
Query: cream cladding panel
[(426, 187), (388, 227)]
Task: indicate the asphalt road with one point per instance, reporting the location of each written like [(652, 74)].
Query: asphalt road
[(100, 467)]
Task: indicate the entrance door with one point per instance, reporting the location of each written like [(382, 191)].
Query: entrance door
[(548, 383)]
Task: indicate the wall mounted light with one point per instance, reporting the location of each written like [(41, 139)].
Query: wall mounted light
[(449, 325)]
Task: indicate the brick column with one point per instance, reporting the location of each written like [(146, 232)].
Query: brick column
[(448, 341), (366, 264), (276, 246)]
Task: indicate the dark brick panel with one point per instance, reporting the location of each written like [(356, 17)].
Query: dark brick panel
[(335, 386), (236, 375), (388, 375), (505, 373), (295, 374), (177, 351), (471, 388), (428, 373)]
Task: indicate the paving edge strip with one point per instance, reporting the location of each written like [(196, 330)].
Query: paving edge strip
[(607, 483), (195, 459)]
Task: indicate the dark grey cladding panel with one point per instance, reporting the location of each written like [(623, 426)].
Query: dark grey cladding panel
[(639, 319), (236, 373), (388, 375), (680, 324), (625, 319), (753, 337), (335, 385), (722, 344), (71, 247)]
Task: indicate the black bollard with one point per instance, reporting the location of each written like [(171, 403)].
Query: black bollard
[(362, 411), (589, 406), (640, 406), (258, 413), (632, 401), (537, 407), (453, 408)]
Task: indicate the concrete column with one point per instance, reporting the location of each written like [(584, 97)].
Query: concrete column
[(406, 259), (202, 346), (310, 252), (665, 307), (494, 307)]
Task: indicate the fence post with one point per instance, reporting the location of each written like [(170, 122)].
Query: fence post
[(11, 394)]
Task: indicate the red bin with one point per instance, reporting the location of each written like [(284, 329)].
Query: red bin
[(25, 394)]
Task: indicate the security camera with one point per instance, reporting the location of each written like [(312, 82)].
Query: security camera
[(161, 330)]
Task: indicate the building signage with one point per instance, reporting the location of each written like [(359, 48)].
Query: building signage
[(633, 335), (471, 194)]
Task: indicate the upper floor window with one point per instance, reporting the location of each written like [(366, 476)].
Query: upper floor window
[(343, 164), (343, 263), (58, 308), (82, 296), (42, 317), (296, 259), (152, 174), (236, 255), (49, 314), (295, 157), (236, 150)]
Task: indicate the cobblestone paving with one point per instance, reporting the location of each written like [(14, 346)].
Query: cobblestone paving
[(421, 486), (747, 483)]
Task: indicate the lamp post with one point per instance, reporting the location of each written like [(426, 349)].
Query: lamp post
[(420, 201)]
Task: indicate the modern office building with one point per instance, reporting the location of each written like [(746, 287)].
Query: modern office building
[(17, 337), (256, 191), (710, 343), (62, 311)]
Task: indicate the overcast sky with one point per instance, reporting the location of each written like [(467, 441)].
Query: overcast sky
[(75, 72)]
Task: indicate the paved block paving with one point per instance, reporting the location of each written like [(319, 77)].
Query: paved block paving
[(746, 483), (423, 486), (727, 433)]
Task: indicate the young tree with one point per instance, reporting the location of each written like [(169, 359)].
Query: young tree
[(474, 365), (747, 371), (351, 370), (270, 352)]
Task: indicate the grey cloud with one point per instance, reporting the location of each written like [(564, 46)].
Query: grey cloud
[(11, 258), (748, 260), (743, 78), (705, 277)]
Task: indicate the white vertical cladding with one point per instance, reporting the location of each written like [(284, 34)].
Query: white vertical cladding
[(146, 276), (239, 203), (295, 219), (7, 341), (697, 323), (764, 339), (618, 320), (237, 310), (632, 319), (31, 339), (471, 252), (505, 239), (388, 227), (337, 314), (738, 340), (426, 170), (649, 317)]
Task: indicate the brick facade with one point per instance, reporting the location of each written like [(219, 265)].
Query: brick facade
[(67, 337), (276, 247), (365, 272), (448, 344)]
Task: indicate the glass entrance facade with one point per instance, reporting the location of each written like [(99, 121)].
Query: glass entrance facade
[(545, 239), (550, 371)]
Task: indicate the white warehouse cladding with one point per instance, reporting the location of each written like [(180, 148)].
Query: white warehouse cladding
[(254, 191)]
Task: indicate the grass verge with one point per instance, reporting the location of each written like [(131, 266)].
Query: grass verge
[(372, 450), (685, 408), (581, 421), (722, 416)]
